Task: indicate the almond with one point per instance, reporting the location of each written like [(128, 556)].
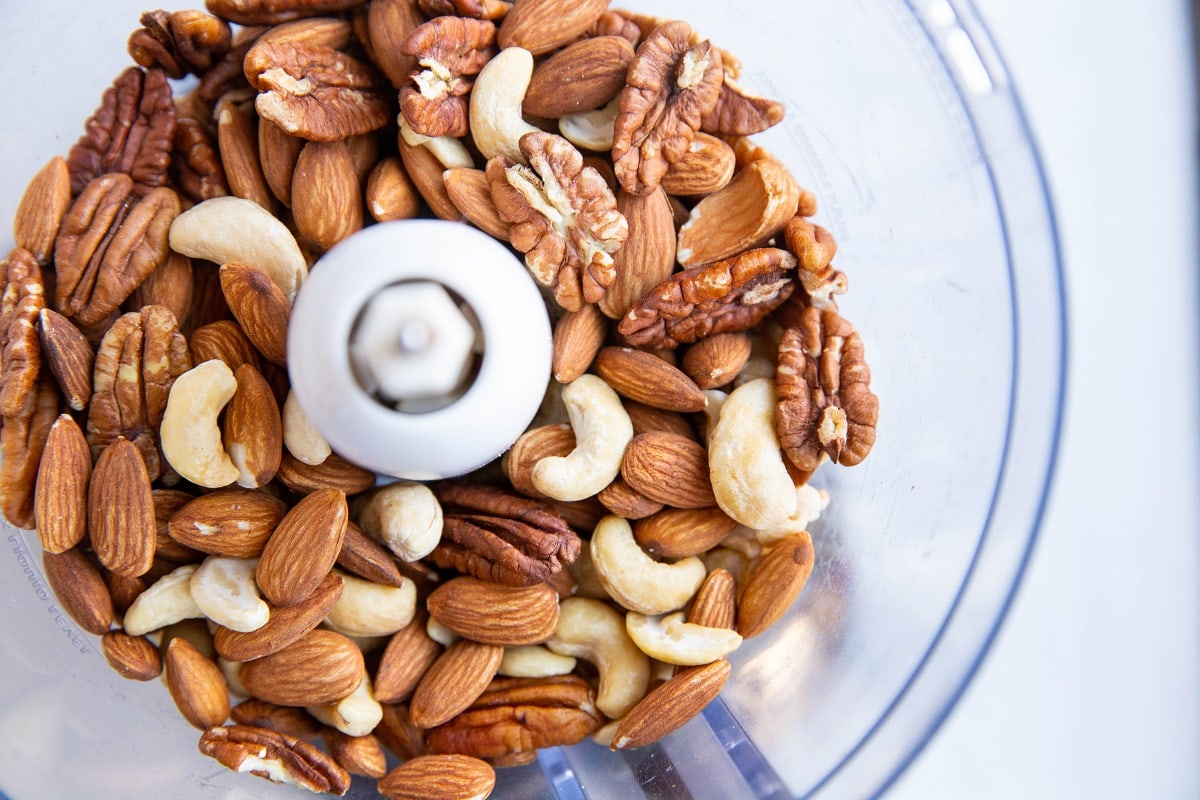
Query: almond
[(494, 614), (237, 141), (397, 733), (368, 559), (133, 657), (623, 500), (171, 284), (454, 682), (253, 434), (321, 667), (304, 547), (531, 447), (277, 154), (715, 603), (196, 685), (326, 199), (284, 719), (334, 472), (540, 26), (42, 208), (646, 378), (390, 194), (439, 777), (683, 532), (68, 355), (647, 258), (584, 75), (670, 469), (287, 624), (124, 590), (578, 337), (235, 523), (409, 653), (707, 166), (774, 583), (223, 340), (426, 173), (672, 704), (646, 418), (81, 589), (468, 190), (260, 307), (716, 360), (121, 510), (61, 492), (359, 755), (166, 503)]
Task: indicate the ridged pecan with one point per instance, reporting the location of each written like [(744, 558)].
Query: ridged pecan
[(273, 12), (734, 294), (501, 537), (451, 50), (131, 133), (814, 248), (22, 298), (278, 757), (110, 240), (823, 385), (196, 168), (180, 42), (22, 439), (516, 715), (136, 365)]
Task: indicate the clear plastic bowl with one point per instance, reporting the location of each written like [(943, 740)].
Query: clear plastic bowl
[(903, 121)]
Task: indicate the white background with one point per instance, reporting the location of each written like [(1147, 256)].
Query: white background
[(1092, 689)]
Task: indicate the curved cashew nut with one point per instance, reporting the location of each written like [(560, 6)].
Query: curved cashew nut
[(810, 502), (634, 579), (534, 661), (602, 431), (448, 150), (594, 631), (190, 436), (232, 670), (749, 478), (673, 641), (496, 122), (356, 714), (372, 609), (225, 591), (300, 437), (406, 517), (591, 130), (440, 633), (166, 601), (231, 229)]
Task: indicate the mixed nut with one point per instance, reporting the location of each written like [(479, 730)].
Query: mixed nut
[(589, 584)]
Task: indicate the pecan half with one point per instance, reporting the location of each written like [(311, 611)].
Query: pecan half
[(562, 215), (475, 9), (131, 132), (22, 439), (730, 295), (196, 168), (276, 756), (501, 537), (516, 715), (672, 83), (814, 248), (451, 50), (109, 242), (273, 12), (136, 365), (316, 92), (22, 298), (180, 42), (823, 385)]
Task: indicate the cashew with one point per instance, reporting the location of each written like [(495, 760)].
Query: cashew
[(406, 517), (166, 601), (448, 150), (672, 640), (810, 502), (749, 478), (534, 661), (372, 609), (356, 714), (587, 582), (190, 435), (633, 578), (300, 437), (745, 541), (733, 561), (231, 229), (232, 670), (440, 633), (605, 734), (591, 130), (594, 631), (496, 122), (602, 431), (225, 591)]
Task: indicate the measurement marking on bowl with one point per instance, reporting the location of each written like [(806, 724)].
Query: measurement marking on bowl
[(40, 588)]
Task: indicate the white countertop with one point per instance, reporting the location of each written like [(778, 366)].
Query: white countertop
[(1092, 688)]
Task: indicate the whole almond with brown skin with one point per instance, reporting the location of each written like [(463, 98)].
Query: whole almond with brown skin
[(493, 614), (286, 625), (61, 492), (326, 199), (334, 472), (66, 352), (237, 141), (647, 258), (540, 26), (716, 360), (774, 583), (321, 667), (397, 733), (389, 22), (715, 603), (253, 431), (468, 190), (171, 284), (646, 378), (224, 340), (277, 154), (426, 173), (578, 337), (531, 447), (409, 653), (623, 500), (121, 510), (304, 547), (669, 468), (286, 719), (368, 559), (235, 523), (454, 681), (133, 657), (683, 532), (166, 503), (439, 777), (42, 208), (671, 705), (196, 685), (390, 194), (80, 588), (646, 418), (584, 75), (124, 590), (194, 630), (706, 167), (359, 755), (260, 307)]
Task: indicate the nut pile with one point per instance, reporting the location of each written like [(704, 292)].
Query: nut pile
[(590, 584)]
